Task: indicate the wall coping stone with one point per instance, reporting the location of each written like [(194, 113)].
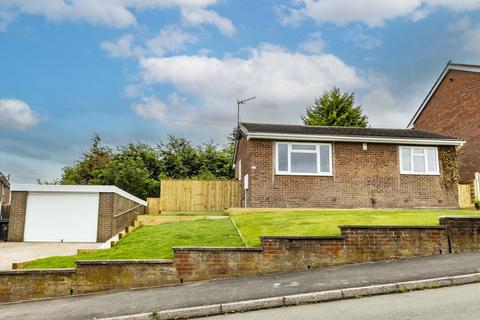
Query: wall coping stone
[(125, 261), (391, 227), (460, 217), (302, 237), (38, 271), (217, 248)]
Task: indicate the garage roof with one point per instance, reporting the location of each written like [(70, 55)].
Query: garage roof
[(76, 189)]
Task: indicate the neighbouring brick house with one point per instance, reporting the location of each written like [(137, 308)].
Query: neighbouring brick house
[(308, 166), (452, 107)]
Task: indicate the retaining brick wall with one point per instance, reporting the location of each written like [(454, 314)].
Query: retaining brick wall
[(358, 177), (463, 232), (277, 254)]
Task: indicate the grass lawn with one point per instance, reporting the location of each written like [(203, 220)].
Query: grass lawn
[(155, 242), (326, 222)]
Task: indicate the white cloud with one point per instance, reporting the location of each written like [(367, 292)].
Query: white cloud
[(169, 39), (362, 39), (284, 82), (314, 44), (370, 12), (151, 108), (115, 13), (122, 47), (471, 40), (5, 19), (197, 16), (16, 114), (460, 25)]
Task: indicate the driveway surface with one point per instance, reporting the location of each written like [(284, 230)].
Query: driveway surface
[(243, 288), (459, 303), (25, 251)]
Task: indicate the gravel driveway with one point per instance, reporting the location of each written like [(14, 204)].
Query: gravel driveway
[(25, 251)]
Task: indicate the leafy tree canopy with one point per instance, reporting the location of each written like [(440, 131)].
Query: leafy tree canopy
[(335, 108), (137, 168)]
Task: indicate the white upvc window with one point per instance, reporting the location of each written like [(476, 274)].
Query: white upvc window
[(308, 159), (419, 160)]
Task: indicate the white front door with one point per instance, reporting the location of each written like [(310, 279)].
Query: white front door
[(61, 216)]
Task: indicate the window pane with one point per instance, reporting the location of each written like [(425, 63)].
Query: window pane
[(282, 157), (418, 151), (406, 163), (304, 147), (324, 158), (303, 162), (418, 163), (432, 160)]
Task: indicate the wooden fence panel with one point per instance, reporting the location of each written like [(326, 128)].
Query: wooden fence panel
[(196, 195), (465, 195)]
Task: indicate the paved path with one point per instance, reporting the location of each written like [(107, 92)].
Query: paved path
[(459, 303), (244, 288), (25, 251)]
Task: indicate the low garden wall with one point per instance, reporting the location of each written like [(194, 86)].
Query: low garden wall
[(276, 254)]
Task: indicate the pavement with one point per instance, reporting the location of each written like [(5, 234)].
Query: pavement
[(121, 303), (459, 303), (11, 252)]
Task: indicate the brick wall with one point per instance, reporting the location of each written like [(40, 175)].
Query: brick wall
[(95, 276), (358, 177), (454, 110), (112, 217), (356, 244), (18, 209), (281, 254), (16, 285), (463, 232)]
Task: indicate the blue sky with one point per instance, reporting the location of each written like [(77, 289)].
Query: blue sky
[(137, 70)]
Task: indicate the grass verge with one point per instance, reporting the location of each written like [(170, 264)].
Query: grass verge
[(154, 242), (325, 222)]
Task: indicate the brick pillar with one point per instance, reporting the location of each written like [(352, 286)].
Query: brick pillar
[(105, 216), (18, 209)]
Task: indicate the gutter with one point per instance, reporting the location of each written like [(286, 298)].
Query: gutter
[(303, 137)]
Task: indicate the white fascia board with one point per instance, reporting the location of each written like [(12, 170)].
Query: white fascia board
[(437, 83), (302, 137), (76, 189)]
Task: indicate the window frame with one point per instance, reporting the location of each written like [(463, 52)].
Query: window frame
[(316, 151), (425, 153)]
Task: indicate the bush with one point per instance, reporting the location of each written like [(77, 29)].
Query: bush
[(477, 204)]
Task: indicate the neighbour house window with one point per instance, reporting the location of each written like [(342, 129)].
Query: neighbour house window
[(419, 160), (303, 158)]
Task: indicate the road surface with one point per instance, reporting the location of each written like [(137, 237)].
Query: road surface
[(459, 303)]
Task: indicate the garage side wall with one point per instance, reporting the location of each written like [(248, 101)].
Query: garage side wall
[(18, 211), (114, 214)]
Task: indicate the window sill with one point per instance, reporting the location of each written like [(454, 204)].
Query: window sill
[(304, 174), (419, 174)]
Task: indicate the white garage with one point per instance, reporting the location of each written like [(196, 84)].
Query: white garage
[(46, 213), (61, 217)]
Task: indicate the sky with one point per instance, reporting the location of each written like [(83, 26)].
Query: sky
[(139, 70)]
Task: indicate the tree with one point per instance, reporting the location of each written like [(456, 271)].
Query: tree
[(137, 168), (335, 108)]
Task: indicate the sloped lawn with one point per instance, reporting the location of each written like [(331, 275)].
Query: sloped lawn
[(326, 222), (155, 242)]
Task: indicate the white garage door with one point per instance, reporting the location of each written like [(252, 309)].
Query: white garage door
[(56, 217)]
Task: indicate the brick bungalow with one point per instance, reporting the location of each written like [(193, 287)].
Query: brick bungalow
[(452, 107), (338, 167)]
